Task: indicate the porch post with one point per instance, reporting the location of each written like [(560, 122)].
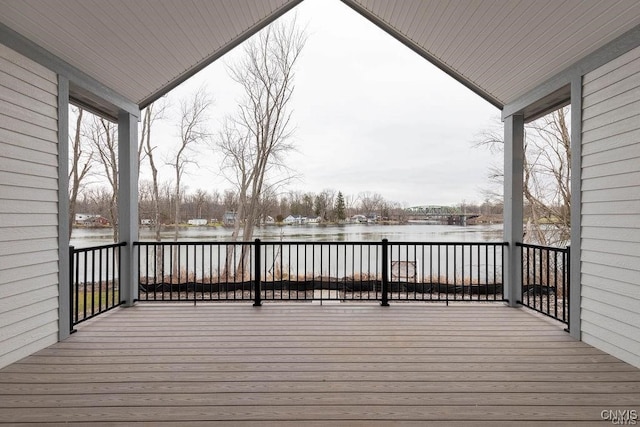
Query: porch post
[(576, 208), (64, 304), (128, 203), (513, 170)]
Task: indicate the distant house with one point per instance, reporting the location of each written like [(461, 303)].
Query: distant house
[(372, 217), (229, 218), (315, 220), (269, 220), (81, 218), (146, 221), (295, 220), (198, 222), (91, 220), (359, 218)]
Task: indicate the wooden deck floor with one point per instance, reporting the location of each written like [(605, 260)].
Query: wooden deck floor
[(287, 364)]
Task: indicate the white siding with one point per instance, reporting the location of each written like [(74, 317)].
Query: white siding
[(28, 207), (610, 270)]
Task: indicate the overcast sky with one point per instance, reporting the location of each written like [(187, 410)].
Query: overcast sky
[(370, 115)]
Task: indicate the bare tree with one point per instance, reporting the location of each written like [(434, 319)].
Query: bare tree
[(103, 136), (546, 179), (350, 202), (255, 141), (371, 203), (193, 132), (80, 165), (323, 203), (152, 113)]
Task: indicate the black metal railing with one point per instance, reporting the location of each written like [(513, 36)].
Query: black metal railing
[(545, 280), (446, 271), (95, 281), (319, 271)]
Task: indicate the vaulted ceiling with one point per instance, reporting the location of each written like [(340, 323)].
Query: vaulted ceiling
[(143, 48)]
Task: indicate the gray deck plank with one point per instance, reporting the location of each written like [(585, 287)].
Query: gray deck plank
[(305, 364)]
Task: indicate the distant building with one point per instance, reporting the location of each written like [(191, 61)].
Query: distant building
[(269, 220), (295, 220), (90, 220), (229, 218), (359, 218), (197, 222), (80, 218), (146, 221), (372, 217)]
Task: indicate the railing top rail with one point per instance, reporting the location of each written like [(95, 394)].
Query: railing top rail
[(552, 248), (194, 242), (93, 248), (450, 243), (307, 242)]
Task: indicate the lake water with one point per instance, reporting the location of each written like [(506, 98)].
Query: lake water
[(314, 233), (315, 257)]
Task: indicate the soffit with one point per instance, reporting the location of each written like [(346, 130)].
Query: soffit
[(503, 49), (141, 49)]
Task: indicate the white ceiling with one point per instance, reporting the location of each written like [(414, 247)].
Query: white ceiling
[(504, 48), (143, 48), (139, 48)]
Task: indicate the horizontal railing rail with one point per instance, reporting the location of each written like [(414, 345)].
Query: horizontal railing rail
[(95, 281), (319, 271), (545, 280)]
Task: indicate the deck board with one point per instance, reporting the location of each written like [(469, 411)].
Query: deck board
[(305, 364)]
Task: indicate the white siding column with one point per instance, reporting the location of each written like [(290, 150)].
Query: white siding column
[(513, 170), (64, 293), (576, 209), (128, 203), (30, 178)]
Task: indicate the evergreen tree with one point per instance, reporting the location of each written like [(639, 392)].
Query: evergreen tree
[(339, 208)]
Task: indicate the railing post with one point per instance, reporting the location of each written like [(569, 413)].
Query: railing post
[(257, 302), (385, 273), (567, 286), (513, 200), (72, 286)]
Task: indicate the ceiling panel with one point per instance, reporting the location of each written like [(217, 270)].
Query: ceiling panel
[(138, 48), (143, 48), (505, 48)]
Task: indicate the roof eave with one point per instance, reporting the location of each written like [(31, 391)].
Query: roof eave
[(218, 54), (426, 55)]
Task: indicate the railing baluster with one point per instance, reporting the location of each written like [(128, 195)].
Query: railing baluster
[(72, 289), (84, 294), (385, 273), (100, 280), (257, 291), (566, 283)]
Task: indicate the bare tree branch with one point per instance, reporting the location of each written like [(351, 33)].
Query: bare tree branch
[(193, 131), (547, 175)]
